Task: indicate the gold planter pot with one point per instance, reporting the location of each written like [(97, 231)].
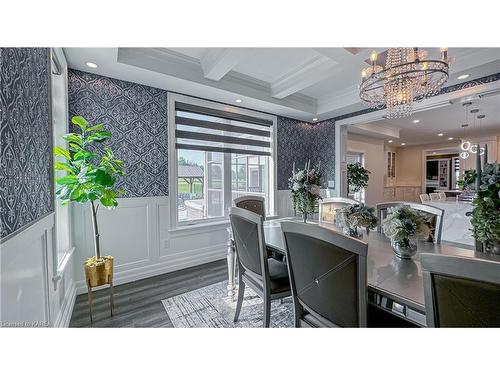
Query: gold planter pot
[(98, 273)]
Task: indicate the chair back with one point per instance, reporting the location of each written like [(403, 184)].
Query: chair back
[(460, 291), (252, 203), (434, 216), (442, 195), (327, 276), (248, 234), (424, 198), (435, 197), (328, 206)]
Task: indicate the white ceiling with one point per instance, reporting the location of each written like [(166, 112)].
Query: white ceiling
[(448, 121), (297, 82)]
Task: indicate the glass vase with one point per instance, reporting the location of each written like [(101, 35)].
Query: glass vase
[(405, 249)]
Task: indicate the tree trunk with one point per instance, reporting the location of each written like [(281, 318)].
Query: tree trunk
[(96, 231)]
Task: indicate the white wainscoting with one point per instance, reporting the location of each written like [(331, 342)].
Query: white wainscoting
[(28, 294), (137, 234)]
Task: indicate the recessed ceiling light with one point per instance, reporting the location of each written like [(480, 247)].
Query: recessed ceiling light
[(389, 141), (403, 144), (440, 134), (91, 64), (433, 152), (315, 119), (416, 121), (463, 76), (450, 139), (238, 100)]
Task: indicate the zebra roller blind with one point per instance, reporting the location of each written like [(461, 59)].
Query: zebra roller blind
[(208, 129)]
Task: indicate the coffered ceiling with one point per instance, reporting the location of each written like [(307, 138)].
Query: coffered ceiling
[(302, 83)]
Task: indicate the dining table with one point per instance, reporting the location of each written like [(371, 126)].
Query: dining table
[(395, 285)]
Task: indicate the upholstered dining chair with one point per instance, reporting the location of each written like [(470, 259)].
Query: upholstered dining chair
[(252, 203), (328, 206), (266, 276), (434, 215), (424, 198), (461, 291), (435, 197), (442, 196), (327, 276)]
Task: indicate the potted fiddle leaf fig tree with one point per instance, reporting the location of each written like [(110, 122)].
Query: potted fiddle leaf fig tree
[(91, 173)]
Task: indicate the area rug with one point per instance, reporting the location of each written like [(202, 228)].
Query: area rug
[(211, 307)]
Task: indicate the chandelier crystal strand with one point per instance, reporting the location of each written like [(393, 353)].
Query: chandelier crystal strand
[(408, 76)]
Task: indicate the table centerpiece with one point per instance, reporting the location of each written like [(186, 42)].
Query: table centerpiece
[(305, 187), (354, 216), (404, 226)]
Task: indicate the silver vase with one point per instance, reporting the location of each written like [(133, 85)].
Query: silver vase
[(352, 232), (404, 251)]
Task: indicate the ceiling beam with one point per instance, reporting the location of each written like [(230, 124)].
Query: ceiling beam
[(307, 74), (217, 62)]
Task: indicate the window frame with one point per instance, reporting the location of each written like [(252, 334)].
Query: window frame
[(172, 165)]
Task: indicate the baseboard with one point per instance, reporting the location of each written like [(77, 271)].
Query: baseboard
[(64, 316), (149, 270)]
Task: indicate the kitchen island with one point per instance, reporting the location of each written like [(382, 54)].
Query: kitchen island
[(456, 225)]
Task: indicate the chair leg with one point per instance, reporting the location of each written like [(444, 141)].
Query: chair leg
[(267, 311), (241, 294)]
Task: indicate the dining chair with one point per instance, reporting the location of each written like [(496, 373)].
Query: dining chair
[(442, 195), (460, 291), (252, 203), (328, 206), (424, 198), (266, 276), (435, 197), (327, 276), (434, 216)]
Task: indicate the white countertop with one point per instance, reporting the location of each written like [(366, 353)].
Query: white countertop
[(456, 225)]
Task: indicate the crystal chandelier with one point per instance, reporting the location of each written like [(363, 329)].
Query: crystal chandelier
[(409, 76)]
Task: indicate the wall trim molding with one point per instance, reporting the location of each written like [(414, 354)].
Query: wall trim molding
[(64, 317), (170, 263)]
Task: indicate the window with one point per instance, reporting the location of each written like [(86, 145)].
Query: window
[(222, 153)]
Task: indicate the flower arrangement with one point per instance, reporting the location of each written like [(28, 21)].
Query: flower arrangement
[(356, 215), (485, 218), (305, 187), (404, 226)]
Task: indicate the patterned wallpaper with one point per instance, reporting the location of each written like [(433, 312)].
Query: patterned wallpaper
[(299, 142), (26, 192), (137, 117)]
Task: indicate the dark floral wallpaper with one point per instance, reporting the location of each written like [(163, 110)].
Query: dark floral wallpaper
[(26, 191), (137, 117), (299, 142)]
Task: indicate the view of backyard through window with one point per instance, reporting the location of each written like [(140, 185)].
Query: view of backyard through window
[(200, 181)]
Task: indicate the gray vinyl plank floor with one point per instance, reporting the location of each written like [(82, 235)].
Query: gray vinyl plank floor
[(138, 303)]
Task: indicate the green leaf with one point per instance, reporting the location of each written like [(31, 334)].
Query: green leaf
[(95, 127), (67, 180), (59, 151), (63, 167), (99, 136), (103, 178), (80, 155), (108, 199), (73, 138), (80, 121)]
